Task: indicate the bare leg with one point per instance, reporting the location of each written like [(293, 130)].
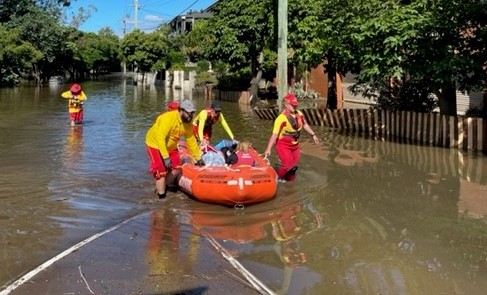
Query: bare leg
[(161, 186)]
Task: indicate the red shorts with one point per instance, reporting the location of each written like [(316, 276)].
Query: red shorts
[(156, 166), (76, 117)]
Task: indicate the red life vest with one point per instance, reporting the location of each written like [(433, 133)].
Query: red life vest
[(244, 158), (211, 117), (296, 123)]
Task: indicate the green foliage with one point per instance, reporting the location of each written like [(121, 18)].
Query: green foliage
[(11, 9), (146, 51), (205, 78), (474, 112), (239, 32), (17, 57), (237, 81), (301, 93), (81, 16), (441, 43), (176, 60), (43, 31), (411, 96), (193, 43), (221, 68), (304, 25), (99, 51), (270, 60), (202, 66)]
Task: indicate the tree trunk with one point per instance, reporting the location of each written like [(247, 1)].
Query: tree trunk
[(257, 72), (37, 75), (330, 69), (447, 98)]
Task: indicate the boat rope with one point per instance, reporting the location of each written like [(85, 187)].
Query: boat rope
[(60, 256), (254, 281)]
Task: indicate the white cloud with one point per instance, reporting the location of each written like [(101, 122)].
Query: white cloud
[(153, 18)]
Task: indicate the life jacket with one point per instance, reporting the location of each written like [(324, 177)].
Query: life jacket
[(244, 158), (296, 123), (74, 102)]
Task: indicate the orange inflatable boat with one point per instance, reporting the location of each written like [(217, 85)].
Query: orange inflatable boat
[(230, 185)]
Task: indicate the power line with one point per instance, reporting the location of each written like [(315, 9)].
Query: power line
[(191, 5)]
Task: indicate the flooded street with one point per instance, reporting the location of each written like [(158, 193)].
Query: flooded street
[(363, 217)]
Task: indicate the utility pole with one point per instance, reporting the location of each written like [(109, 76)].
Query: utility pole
[(281, 51), (136, 14), (127, 20), (124, 64)]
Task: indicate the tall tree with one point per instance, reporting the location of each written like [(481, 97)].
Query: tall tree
[(10, 9), (241, 31), (146, 52), (17, 57), (440, 44), (46, 34)]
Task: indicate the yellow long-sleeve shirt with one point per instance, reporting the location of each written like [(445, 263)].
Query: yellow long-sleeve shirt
[(166, 132)]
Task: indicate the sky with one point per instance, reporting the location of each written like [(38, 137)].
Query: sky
[(151, 13)]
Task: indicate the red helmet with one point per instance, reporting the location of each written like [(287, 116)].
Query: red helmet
[(75, 89), (291, 99)]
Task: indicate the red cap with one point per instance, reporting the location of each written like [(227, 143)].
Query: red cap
[(173, 105), (291, 99), (75, 89)]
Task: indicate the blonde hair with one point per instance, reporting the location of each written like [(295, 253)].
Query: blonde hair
[(244, 146)]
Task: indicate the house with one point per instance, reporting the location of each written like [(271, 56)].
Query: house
[(183, 24), (319, 83)]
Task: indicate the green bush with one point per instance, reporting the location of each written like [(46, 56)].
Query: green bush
[(412, 96), (204, 78), (474, 112), (237, 82), (298, 90), (202, 66)]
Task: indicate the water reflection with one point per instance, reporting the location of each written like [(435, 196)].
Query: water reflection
[(249, 235), (394, 212), (74, 148), (168, 250), (363, 217)]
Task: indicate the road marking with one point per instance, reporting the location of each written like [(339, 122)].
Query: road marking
[(63, 254), (256, 283)]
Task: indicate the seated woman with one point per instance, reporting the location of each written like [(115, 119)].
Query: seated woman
[(244, 157)]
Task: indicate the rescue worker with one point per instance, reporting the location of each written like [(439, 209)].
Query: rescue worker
[(76, 98), (285, 135), (203, 123), (162, 141)]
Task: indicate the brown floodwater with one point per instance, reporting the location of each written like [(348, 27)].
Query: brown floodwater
[(363, 217)]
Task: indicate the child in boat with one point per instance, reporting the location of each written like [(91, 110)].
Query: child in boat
[(244, 157)]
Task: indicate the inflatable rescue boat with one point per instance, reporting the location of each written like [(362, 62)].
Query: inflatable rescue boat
[(230, 185)]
